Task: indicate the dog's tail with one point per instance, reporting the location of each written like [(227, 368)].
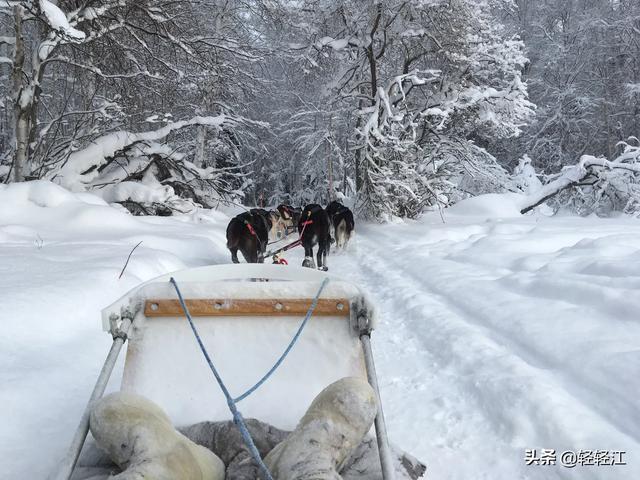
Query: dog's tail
[(351, 224)]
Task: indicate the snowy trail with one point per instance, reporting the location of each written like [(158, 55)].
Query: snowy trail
[(495, 335), (477, 373)]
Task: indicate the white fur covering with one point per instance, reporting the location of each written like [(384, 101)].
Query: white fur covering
[(140, 439), (335, 423)]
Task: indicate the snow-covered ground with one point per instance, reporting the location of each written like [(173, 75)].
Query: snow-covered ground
[(497, 334)]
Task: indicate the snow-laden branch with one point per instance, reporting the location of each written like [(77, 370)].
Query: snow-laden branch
[(385, 110), (82, 166), (588, 165), (100, 73), (58, 21)]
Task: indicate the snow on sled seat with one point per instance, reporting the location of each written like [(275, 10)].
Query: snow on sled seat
[(245, 324)]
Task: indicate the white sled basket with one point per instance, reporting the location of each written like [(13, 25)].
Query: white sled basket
[(246, 316), (245, 325)]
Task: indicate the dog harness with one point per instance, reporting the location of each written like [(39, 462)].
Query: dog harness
[(251, 229), (306, 222)]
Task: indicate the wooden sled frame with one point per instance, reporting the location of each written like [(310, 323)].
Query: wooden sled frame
[(249, 307), (154, 304)]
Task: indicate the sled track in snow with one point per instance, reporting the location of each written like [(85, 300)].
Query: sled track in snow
[(487, 391)]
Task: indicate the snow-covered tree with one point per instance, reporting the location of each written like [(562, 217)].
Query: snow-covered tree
[(83, 73), (394, 107), (583, 75), (595, 184), (429, 84)]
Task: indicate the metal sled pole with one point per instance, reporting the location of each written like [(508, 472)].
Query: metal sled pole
[(386, 459), (119, 333)]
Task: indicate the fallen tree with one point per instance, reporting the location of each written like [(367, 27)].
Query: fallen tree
[(145, 174), (596, 178), (82, 166)]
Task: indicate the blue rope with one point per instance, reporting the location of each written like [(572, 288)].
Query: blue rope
[(238, 420), (314, 304)]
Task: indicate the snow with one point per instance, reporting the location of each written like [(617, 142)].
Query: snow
[(614, 171), (90, 13), (336, 44), (74, 173), (491, 205), (497, 332), (58, 20), (138, 192), (45, 48), (525, 176)]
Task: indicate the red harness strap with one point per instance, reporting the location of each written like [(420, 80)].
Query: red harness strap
[(251, 230), (305, 223)]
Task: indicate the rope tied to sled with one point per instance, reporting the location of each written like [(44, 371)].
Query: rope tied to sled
[(238, 419)]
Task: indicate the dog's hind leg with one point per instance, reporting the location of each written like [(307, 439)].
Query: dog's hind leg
[(323, 247), (308, 257), (332, 233), (249, 250), (234, 255), (341, 233), (347, 237), (247, 256)]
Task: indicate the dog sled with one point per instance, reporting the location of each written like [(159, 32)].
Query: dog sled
[(245, 316)]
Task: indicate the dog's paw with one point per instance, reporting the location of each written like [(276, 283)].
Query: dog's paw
[(324, 268)]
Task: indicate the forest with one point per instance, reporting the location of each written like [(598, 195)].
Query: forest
[(394, 107)]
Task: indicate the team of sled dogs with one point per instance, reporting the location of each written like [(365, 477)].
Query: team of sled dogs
[(251, 231)]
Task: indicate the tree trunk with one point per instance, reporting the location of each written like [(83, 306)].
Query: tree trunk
[(330, 162), (21, 155), (358, 163), (199, 156), (20, 116), (371, 55)]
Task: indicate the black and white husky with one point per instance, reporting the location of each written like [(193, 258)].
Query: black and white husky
[(342, 223), (313, 227)]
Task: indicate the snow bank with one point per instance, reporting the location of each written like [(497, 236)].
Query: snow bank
[(39, 193), (492, 205), (137, 192), (61, 255), (42, 205)]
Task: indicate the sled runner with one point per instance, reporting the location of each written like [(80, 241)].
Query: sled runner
[(245, 325)]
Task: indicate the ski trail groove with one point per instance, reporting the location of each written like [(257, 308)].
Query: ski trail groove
[(456, 353)]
